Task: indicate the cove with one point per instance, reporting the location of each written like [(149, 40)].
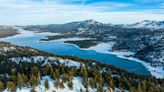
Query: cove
[(60, 48)]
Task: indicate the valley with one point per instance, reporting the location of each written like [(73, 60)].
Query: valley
[(147, 43), (95, 56)]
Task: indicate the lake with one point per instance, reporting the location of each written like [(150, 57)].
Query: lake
[(64, 49)]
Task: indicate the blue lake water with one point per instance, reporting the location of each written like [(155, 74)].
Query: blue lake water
[(62, 49)]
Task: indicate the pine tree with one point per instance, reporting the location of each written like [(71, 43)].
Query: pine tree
[(70, 84), (156, 88), (56, 83), (52, 73), (47, 86), (100, 87), (11, 86), (47, 69), (162, 89), (1, 86), (81, 90), (143, 86), (62, 84), (127, 84), (20, 81), (111, 83), (33, 81), (150, 89), (25, 78), (33, 89), (85, 78), (139, 89)]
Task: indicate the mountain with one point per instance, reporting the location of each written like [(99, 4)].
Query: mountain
[(146, 24), (67, 27), (6, 31)]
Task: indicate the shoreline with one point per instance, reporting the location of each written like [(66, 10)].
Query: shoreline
[(155, 71)]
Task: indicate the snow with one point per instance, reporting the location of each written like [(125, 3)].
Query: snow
[(68, 39), (69, 63), (77, 85), (6, 49), (102, 47), (25, 33), (46, 60), (147, 24), (34, 59)]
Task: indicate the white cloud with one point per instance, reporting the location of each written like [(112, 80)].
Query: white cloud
[(47, 12)]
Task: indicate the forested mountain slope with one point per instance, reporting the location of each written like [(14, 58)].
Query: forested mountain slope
[(24, 69)]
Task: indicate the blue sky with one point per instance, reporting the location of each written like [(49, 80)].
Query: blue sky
[(24, 12)]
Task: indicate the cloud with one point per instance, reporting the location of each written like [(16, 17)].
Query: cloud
[(60, 11), (150, 1)]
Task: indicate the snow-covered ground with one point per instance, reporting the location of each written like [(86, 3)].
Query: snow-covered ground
[(68, 39), (46, 60), (77, 85), (25, 33), (77, 81), (105, 47), (102, 47)]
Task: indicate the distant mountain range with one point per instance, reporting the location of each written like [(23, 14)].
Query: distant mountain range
[(88, 24), (146, 24)]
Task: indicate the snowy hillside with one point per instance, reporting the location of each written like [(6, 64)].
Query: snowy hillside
[(146, 24)]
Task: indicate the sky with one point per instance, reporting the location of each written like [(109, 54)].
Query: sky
[(28, 12)]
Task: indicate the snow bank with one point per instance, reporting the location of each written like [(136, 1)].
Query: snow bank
[(68, 39)]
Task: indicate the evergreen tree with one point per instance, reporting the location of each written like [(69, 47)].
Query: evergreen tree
[(11, 86), (70, 84), (139, 89), (52, 73), (33, 81), (127, 84), (47, 69), (100, 87), (81, 90), (162, 89), (25, 78), (143, 86), (111, 83), (1, 86), (62, 84), (156, 88), (56, 83), (33, 89), (20, 81), (47, 86), (85, 78)]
